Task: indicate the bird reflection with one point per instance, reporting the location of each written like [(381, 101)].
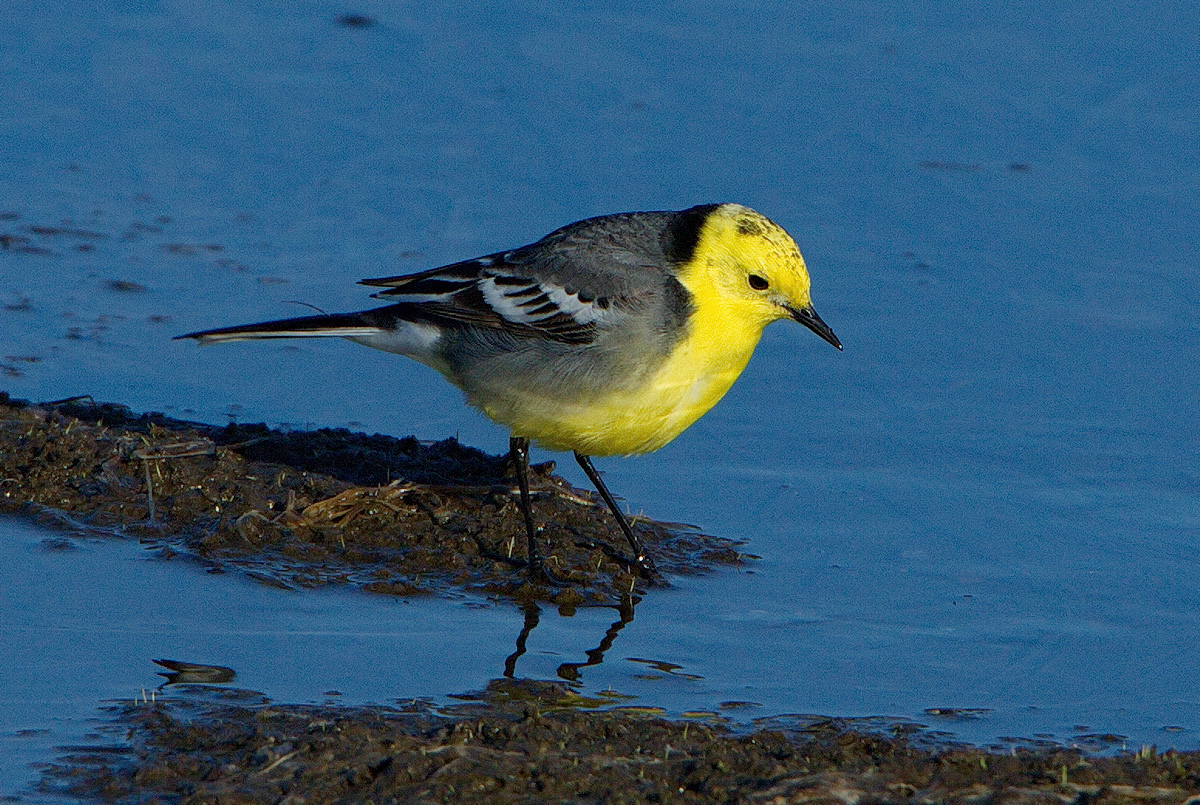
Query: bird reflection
[(178, 672), (570, 671), (533, 615)]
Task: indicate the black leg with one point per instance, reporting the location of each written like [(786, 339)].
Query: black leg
[(518, 452), (643, 561)]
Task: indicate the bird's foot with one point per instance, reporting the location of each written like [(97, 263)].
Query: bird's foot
[(540, 574), (643, 565)]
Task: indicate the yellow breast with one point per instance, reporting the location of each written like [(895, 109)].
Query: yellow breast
[(641, 419)]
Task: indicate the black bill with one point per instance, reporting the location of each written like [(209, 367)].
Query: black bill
[(809, 318)]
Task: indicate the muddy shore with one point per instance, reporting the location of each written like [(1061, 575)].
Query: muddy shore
[(524, 741), (309, 508), (403, 517)]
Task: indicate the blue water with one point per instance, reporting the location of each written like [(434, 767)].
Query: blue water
[(989, 500)]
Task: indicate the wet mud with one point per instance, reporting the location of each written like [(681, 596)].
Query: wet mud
[(403, 517), (310, 508), (524, 741)]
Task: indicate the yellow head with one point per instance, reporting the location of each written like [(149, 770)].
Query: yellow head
[(751, 263)]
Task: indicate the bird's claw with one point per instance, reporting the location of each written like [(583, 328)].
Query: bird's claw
[(645, 567), (540, 574)]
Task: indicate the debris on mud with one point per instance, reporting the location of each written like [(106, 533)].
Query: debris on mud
[(395, 516), (523, 741)]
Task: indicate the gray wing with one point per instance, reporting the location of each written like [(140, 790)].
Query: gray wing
[(567, 286)]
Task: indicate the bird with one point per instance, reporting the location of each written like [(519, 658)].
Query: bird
[(608, 337)]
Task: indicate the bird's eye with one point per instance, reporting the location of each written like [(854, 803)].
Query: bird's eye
[(758, 283)]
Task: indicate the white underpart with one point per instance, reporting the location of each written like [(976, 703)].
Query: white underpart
[(415, 340)]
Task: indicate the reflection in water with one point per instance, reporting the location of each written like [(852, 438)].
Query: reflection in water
[(533, 614), (570, 670), (666, 667), (182, 673), (179, 672)]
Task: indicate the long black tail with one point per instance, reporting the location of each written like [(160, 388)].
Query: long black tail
[(336, 325)]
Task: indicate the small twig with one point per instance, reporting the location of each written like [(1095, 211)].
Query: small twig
[(267, 769), (195, 447), (149, 492), (572, 495)]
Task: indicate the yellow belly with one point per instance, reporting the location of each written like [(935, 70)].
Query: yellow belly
[(630, 420)]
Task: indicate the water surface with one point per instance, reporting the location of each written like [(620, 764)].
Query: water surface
[(989, 500)]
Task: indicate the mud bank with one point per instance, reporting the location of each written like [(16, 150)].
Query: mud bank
[(523, 741), (309, 508)]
